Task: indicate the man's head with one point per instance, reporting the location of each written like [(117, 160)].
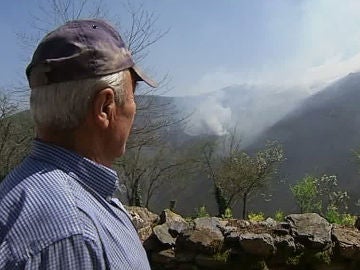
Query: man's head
[(82, 80)]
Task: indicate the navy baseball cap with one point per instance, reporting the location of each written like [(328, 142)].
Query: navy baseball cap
[(81, 49)]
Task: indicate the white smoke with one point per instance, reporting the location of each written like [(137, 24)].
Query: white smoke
[(249, 109), (210, 117)]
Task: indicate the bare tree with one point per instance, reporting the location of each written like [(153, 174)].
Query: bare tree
[(142, 172), (147, 170), (15, 135)]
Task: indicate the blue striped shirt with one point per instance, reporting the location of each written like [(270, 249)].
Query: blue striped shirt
[(57, 212)]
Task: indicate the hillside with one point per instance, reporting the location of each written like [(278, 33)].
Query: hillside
[(319, 137)]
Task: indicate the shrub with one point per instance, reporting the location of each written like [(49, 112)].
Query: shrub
[(333, 216), (279, 216), (348, 220), (227, 213), (201, 212), (256, 217), (222, 256)]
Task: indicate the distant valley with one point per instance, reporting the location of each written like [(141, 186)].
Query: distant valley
[(318, 132)]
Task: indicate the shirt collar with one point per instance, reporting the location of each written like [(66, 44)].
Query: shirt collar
[(101, 179)]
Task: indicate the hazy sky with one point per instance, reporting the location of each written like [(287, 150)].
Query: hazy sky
[(213, 44)]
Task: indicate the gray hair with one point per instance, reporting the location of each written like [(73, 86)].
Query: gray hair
[(64, 105)]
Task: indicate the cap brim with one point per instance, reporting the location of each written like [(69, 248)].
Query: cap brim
[(142, 77)]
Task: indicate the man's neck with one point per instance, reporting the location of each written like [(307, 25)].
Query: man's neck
[(80, 141)]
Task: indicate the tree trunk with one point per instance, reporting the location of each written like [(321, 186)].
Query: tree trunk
[(244, 206), (220, 200), (137, 194)]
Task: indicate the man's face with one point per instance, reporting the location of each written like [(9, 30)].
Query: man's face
[(124, 117)]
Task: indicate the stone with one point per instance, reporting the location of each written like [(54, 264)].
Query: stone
[(270, 222), (162, 257), (210, 262), (183, 256), (142, 217), (143, 220), (145, 233), (210, 223), (282, 228), (231, 240), (200, 240), (285, 243), (162, 234), (311, 230), (223, 223), (257, 244), (186, 266), (285, 249), (347, 241), (357, 223), (241, 223), (228, 230), (175, 222)]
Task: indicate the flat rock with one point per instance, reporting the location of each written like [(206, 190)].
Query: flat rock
[(175, 222), (162, 234), (203, 240), (142, 217), (257, 244), (347, 241), (162, 257), (212, 224), (311, 230)]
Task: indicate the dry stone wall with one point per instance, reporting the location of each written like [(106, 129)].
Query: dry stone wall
[(302, 241)]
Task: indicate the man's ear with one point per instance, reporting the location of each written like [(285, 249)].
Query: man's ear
[(104, 107)]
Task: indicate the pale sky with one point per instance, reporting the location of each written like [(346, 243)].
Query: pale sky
[(213, 44)]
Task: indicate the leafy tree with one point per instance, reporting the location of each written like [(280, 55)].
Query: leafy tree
[(330, 195), (237, 174), (320, 194), (306, 194)]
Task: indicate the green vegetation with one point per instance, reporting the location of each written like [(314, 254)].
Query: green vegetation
[(309, 257), (294, 260), (201, 212), (222, 256), (333, 216), (322, 195), (256, 217), (16, 132), (237, 174), (227, 213), (279, 216), (306, 195)]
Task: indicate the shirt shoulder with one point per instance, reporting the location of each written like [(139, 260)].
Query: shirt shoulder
[(74, 252), (36, 208)]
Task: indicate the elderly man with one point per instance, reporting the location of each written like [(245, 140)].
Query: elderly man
[(56, 207)]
